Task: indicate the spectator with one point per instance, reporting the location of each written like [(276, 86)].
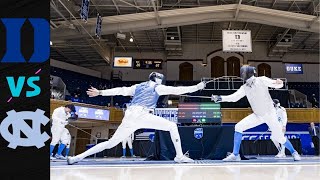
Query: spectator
[(314, 101), (314, 133), (116, 105), (75, 98)]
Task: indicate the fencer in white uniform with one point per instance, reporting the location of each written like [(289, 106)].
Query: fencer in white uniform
[(257, 92), (144, 98), (282, 119), (59, 120), (129, 141)]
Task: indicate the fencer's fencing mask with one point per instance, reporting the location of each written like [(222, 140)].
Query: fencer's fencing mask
[(157, 77), (276, 103), (247, 72), (73, 117)]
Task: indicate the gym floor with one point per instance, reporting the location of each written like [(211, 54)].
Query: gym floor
[(262, 168)]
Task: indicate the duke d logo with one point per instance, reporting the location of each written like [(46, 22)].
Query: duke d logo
[(17, 120), (41, 48)]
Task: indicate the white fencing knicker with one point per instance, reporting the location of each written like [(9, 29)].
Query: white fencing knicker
[(65, 137)]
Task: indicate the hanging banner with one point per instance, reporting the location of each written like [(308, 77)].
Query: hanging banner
[(85, 10), (236, 41), (98, 26)]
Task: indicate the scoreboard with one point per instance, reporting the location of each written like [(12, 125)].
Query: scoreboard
[(199, 113), (147, 64)]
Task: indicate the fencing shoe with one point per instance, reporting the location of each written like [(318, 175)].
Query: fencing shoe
[(280, 155), (72, 160), (60, 157), (52, 158), (296, 156), (183, 159), (232, 158)]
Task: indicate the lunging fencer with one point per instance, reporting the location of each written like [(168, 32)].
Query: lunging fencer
[(282, 119), (129, 141), (60, 118), (257, 92), (138, 114)]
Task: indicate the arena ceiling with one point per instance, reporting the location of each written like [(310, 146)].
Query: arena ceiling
[(150, 22)]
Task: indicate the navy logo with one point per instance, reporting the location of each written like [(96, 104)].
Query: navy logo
[(198, 133), (17, 120), (13, 40)]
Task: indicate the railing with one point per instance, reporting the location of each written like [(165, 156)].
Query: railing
[(297, 96), (232, 83)]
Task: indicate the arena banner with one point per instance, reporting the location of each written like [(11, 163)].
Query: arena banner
[(93, 113), (294, 68), (236, 41), (25, 93)]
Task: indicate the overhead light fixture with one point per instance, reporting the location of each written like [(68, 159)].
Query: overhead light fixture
[(50, 43), (131, 39), (169, 102)]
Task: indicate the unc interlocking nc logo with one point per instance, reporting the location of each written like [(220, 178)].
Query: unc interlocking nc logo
[(34, 136), (13, 40)]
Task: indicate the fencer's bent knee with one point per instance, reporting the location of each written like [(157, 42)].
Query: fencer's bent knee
[(279, 138), (65, 141), (238, 128)]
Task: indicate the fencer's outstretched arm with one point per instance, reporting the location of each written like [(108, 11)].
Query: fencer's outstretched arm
[(166, 90), (272, 83), (240, 93), (123, 91)]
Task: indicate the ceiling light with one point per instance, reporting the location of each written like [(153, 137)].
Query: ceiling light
[(131, 39), (50, 43)]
